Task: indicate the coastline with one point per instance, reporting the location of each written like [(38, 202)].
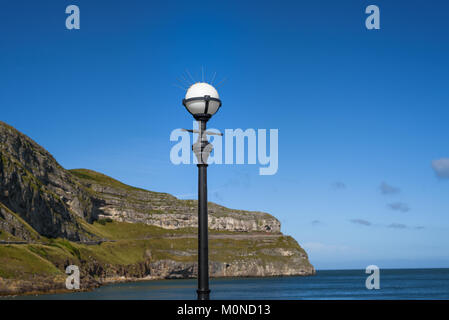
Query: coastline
[(40, 287)]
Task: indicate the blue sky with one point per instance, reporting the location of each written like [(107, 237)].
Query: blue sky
[(355, 109)]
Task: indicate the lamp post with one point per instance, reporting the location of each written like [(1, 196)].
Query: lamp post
[(202, 101)]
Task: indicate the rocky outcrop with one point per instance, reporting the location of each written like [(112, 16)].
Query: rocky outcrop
[(34, 186), (15, 226), (171, 269), (123, 203), (36, 285)]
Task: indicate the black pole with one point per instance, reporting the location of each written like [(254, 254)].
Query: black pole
[(202, 149), (203, 246)]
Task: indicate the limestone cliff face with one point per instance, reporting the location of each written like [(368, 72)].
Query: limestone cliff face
[(35, 187), (170, 269), (13, 224), (123, 203)]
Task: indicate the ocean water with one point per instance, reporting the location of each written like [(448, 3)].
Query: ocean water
[(332, 284)]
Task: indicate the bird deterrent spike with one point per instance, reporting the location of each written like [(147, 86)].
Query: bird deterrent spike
[(188, 73), (213, 78), (180, 87), (183, 81), (221, 82)]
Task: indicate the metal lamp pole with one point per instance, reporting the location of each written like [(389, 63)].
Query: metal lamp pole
[(202, 107), (202, 149)]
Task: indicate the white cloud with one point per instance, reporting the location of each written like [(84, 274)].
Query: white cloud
[(397, 226), (385, 188), (338, 185), (361, 221), (441, 168), (399, 206)]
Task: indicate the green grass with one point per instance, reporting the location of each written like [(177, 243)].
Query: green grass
[(226, 250), (104, 221), (85, 174), (4, 235), (65, 245), (115, 230), (56, 254), (17, 261), (118, 253)]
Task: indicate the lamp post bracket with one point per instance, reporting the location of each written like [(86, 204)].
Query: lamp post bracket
[(206, 132)]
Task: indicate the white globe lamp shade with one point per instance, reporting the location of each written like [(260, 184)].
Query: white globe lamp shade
[(202, 99)]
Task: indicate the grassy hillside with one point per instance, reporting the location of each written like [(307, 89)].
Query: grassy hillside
[(30, 259), (134, 258)]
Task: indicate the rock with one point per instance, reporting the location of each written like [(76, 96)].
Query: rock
[(35, 187), (123, 203)]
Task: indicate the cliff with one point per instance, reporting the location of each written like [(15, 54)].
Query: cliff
[(120, 202), (51, 217)]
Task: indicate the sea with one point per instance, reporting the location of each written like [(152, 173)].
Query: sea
[(326, 284)]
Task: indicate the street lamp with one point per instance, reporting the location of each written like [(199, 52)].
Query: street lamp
[(202, 101)]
